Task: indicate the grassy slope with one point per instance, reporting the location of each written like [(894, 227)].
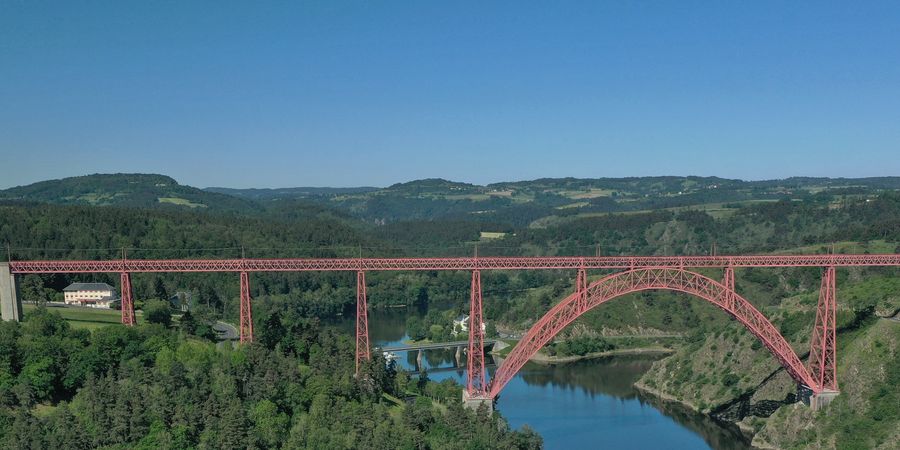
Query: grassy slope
[(88, 318), (725, 363), (867, 413)]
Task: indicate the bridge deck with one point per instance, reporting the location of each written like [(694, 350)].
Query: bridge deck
[(497, 263)]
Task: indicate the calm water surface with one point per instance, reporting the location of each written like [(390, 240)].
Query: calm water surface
[(587, 404)]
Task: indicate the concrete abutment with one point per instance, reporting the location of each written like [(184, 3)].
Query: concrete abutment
[(475, 402), (816, 401), (10, 298)]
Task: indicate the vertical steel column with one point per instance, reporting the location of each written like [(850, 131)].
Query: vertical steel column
[(246, 325), (823, 348), (581, 288), (728, 281), (127, 303), (362, 321), (476, 383)]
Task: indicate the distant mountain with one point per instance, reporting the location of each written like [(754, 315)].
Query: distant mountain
[(505, 205), (434, 185), (132, 190), (295, 192), (547, 200)]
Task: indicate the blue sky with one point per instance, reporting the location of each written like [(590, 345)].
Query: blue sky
[(330, 93)]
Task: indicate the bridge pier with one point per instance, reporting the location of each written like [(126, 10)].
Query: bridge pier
[(362, 321), (10, 303), (246, 328), (475, 381), (816, 401), (822, 399), (126, 301), (823, 345), (419, 356), (474, 402)]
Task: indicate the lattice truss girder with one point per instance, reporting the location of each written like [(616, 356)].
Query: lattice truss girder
[(517, 263)]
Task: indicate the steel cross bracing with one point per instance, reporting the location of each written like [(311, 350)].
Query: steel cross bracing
[(497, 263), (475, 383), (126, 303), (362, 321), (246, 319), (622, 283), (823, 348)]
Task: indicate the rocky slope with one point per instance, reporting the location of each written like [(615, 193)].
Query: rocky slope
[(726, 373)]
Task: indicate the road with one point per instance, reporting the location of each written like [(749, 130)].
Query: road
[(226, 331)]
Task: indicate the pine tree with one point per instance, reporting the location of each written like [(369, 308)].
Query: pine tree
[(232, 427)]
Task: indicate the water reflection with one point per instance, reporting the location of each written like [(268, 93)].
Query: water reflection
[(718, 436), (586, 404), (607, 376), (599, 404)]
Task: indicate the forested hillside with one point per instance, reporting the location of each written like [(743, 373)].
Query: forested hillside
[(732, 378), (135, 190), (155, 388), (296, 228), (538, 202)]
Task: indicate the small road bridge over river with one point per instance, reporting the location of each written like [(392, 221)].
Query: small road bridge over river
[(631, 274), (432, 346), (421, 347)]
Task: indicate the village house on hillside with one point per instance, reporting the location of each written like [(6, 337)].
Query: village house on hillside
[(461, 324), (95, 295)]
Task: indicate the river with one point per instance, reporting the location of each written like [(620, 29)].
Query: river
[(585, 404)]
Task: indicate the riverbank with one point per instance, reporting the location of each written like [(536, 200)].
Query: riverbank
[(644, 389), (503, 348), (740, 428), (543, 358)]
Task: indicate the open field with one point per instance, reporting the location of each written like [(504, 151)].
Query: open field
[(592, 193), (573, 205), (473, 197), (181, 202), (717, 210), (88, 318), (93, 198), (876, 246)]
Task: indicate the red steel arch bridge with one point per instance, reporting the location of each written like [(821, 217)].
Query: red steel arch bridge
[(633, 274)]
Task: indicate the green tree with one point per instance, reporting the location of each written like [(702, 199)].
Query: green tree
[(187, 323), (269, 425), (159, 289), (39, 377), (33, 290), (272, 331), (158, 311), (490, 329), (415, 328)]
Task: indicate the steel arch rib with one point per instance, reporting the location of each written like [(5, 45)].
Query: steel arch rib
[(621, 283)]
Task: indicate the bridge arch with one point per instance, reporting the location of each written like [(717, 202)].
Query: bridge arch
[(641, 279)]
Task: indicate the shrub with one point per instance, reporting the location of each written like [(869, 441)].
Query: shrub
[(158, 311)]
